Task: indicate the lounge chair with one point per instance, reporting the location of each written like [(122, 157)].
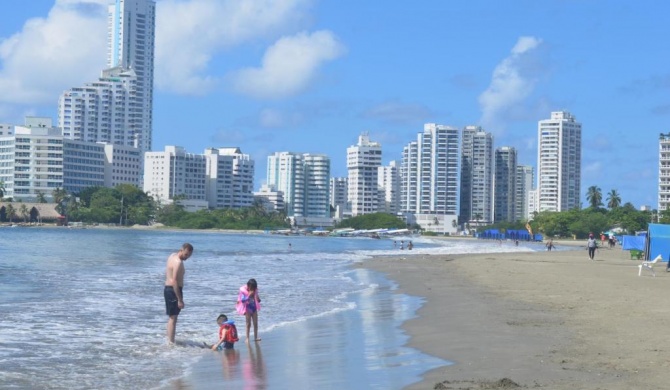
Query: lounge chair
[(649, 265)]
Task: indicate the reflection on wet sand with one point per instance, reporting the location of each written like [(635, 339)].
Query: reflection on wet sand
[(254, 368)]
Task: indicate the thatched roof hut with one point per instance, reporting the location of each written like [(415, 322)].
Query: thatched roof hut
[(45, 212)]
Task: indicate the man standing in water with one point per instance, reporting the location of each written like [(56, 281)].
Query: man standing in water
[(174, 284)]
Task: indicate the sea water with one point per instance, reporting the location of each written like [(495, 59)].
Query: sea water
[(84, 308)]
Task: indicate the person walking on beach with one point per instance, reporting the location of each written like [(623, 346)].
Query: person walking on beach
[(249, 304), (174, 285), (592, 245)]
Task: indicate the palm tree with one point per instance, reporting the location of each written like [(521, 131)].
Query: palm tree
[(40, 197), (11, 212), (24, 212), (613, 199), (59, 195), (594, 196)]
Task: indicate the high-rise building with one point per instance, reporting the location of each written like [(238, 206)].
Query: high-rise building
[(363, 160), (476, 176), (123, 165), (230, 178), (505, 184), (304, 180), (131, 33), (524, 185), (559, 162), (173, 173), (338, 195), (388, 178), (663, 172), (429, 173), (36, 159), (117, 108)]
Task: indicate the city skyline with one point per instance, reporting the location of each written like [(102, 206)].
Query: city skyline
[(376, 70)]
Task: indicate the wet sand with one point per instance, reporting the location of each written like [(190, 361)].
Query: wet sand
[(554, 320)]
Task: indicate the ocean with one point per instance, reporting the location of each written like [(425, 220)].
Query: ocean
[(83, 308)]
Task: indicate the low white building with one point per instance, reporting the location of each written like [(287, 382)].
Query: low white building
[(123, 165), (273, 199)]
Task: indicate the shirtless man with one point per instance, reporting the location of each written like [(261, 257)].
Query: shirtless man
[(174, 283)]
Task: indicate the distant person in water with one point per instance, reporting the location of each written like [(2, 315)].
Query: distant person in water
[(402, 244), (550, 245), (410, 246), (173, 290), (249, 304), (289, 246)]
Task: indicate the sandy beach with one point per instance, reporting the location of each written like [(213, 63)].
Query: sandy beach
[(554, 320)]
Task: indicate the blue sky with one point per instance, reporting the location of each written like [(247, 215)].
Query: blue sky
[(309, 76)]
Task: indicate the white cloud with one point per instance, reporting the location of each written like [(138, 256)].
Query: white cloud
[(289, 65), (190, 33), (52, 54), (512, 82)]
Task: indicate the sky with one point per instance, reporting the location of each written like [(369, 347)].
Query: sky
[(310, 76)]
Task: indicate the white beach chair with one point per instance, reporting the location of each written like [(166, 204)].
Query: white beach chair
[(649, 265)]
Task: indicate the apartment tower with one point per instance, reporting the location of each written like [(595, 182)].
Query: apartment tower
[(505, 185), (476, 177), (429, 173), (117, 108), (363, 161), (559, 162)]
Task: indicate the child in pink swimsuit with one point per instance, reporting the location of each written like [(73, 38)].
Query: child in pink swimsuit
[(249, 304)]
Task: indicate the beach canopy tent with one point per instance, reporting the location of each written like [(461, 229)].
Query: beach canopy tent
[(633, 242), (658, 241)]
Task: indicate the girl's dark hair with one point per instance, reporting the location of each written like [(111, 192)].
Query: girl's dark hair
[(252, 284), (225, 317)]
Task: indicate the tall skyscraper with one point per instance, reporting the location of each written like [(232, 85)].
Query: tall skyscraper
[(525, 176), (505, 184), (132, 26), (388, 179), (363, 161), (476, 176), (663, 172), (559, 162), (338, 195), (117, 108), (429, 173), (304, 180)]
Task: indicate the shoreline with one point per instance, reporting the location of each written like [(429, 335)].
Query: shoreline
[(536, 319)]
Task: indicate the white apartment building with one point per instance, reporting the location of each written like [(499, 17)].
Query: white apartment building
[(304, 181), (131, 36), (338, 196), (533, 206), (230, 178), (525, 175), (663, 172), (388, 181), (505, 184), (6, 129), (102, 111), (363, 160), (429, 172), (559, 159), (117, 108), (123, 165), (271, 198), (476, 177), (175, 173), (83, 165)]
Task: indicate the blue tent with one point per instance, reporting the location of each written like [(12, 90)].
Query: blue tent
[(658, 241), (633, 242)]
